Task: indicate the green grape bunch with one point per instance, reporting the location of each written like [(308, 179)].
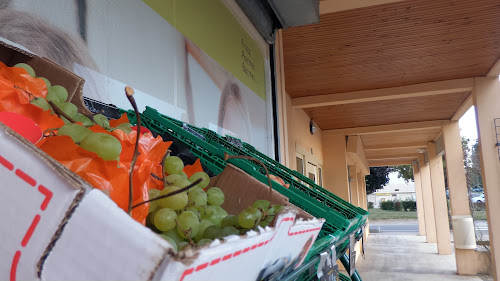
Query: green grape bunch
[(106, 146), (173, 165)]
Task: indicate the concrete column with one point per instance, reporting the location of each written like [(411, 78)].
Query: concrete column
[(367, 228), (354, 185), (364, 190), (361, 200), (430, 223), (420, 200), (282, 100), (457, 185), (335, 166), (366, 195), (486, 95), (439, 199), (362, 187)]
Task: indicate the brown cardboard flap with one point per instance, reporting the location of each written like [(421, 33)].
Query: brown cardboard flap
[(245, 190), (43, 67)]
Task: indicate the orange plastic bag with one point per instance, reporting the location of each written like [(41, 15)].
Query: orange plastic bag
[(115, 122), (110, 176), (192, 169), (17, 101), (20, 78)]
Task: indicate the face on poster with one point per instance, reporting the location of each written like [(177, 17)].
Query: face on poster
[(211, 77)]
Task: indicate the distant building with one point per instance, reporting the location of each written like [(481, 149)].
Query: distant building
[(396, 191)]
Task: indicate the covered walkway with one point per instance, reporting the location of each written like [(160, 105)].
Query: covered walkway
[(402, 257), (385, 84)]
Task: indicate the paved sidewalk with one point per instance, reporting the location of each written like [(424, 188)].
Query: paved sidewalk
[(406, 257)]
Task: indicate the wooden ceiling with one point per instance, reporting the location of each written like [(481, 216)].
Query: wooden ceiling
[(397, 148), (395, 144), (388, 140), (439, 107), (330, 6), (395, 63), (392, 45)]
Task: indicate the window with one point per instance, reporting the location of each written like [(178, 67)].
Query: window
[(312, 176), (300, 165), (320, 176)]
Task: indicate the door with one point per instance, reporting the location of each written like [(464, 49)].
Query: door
[(300, 163), (312, 172)]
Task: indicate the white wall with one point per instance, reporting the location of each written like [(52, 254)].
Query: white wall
[(131, 44), (396, 189)]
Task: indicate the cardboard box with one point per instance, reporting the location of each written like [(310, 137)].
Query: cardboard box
[(43, 67), (38, 197), (55, 226), (243, 258)]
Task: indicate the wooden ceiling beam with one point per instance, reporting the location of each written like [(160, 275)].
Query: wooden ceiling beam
[(356, 152), (400, 127), (405, 156), (389, 163), (388, 146), (463, 109), (410, 91), (494, 70), (331, 6)]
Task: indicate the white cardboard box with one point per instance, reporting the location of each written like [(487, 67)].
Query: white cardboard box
[(37, 197), (56, 227)]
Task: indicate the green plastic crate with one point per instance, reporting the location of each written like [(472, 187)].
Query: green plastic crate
[(363, 214), (356, 216), (334, 221), (323, 244), (214, 164), (320, 246), (329, 234), (342, 277)]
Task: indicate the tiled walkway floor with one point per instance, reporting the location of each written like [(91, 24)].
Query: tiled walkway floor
[(406, 257)]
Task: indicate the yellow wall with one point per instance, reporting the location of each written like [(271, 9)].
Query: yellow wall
[(294, 123), (290, 136), (299, 136), (335, 166)]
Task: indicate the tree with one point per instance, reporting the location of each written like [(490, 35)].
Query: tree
[(472, 163), (405, 172), (476, 164), (378, 177), (466, 150)]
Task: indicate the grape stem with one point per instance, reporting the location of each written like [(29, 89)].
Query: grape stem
[(167, 153), (168, 194), (129, 92), (50, 132), (59, 112), (156, 177), (186, 232), (262, 217), (227, 157), (91, 115), (30, 95)]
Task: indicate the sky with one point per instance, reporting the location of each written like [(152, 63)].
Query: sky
[(468, 129), (393, 179), (467, 125)]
